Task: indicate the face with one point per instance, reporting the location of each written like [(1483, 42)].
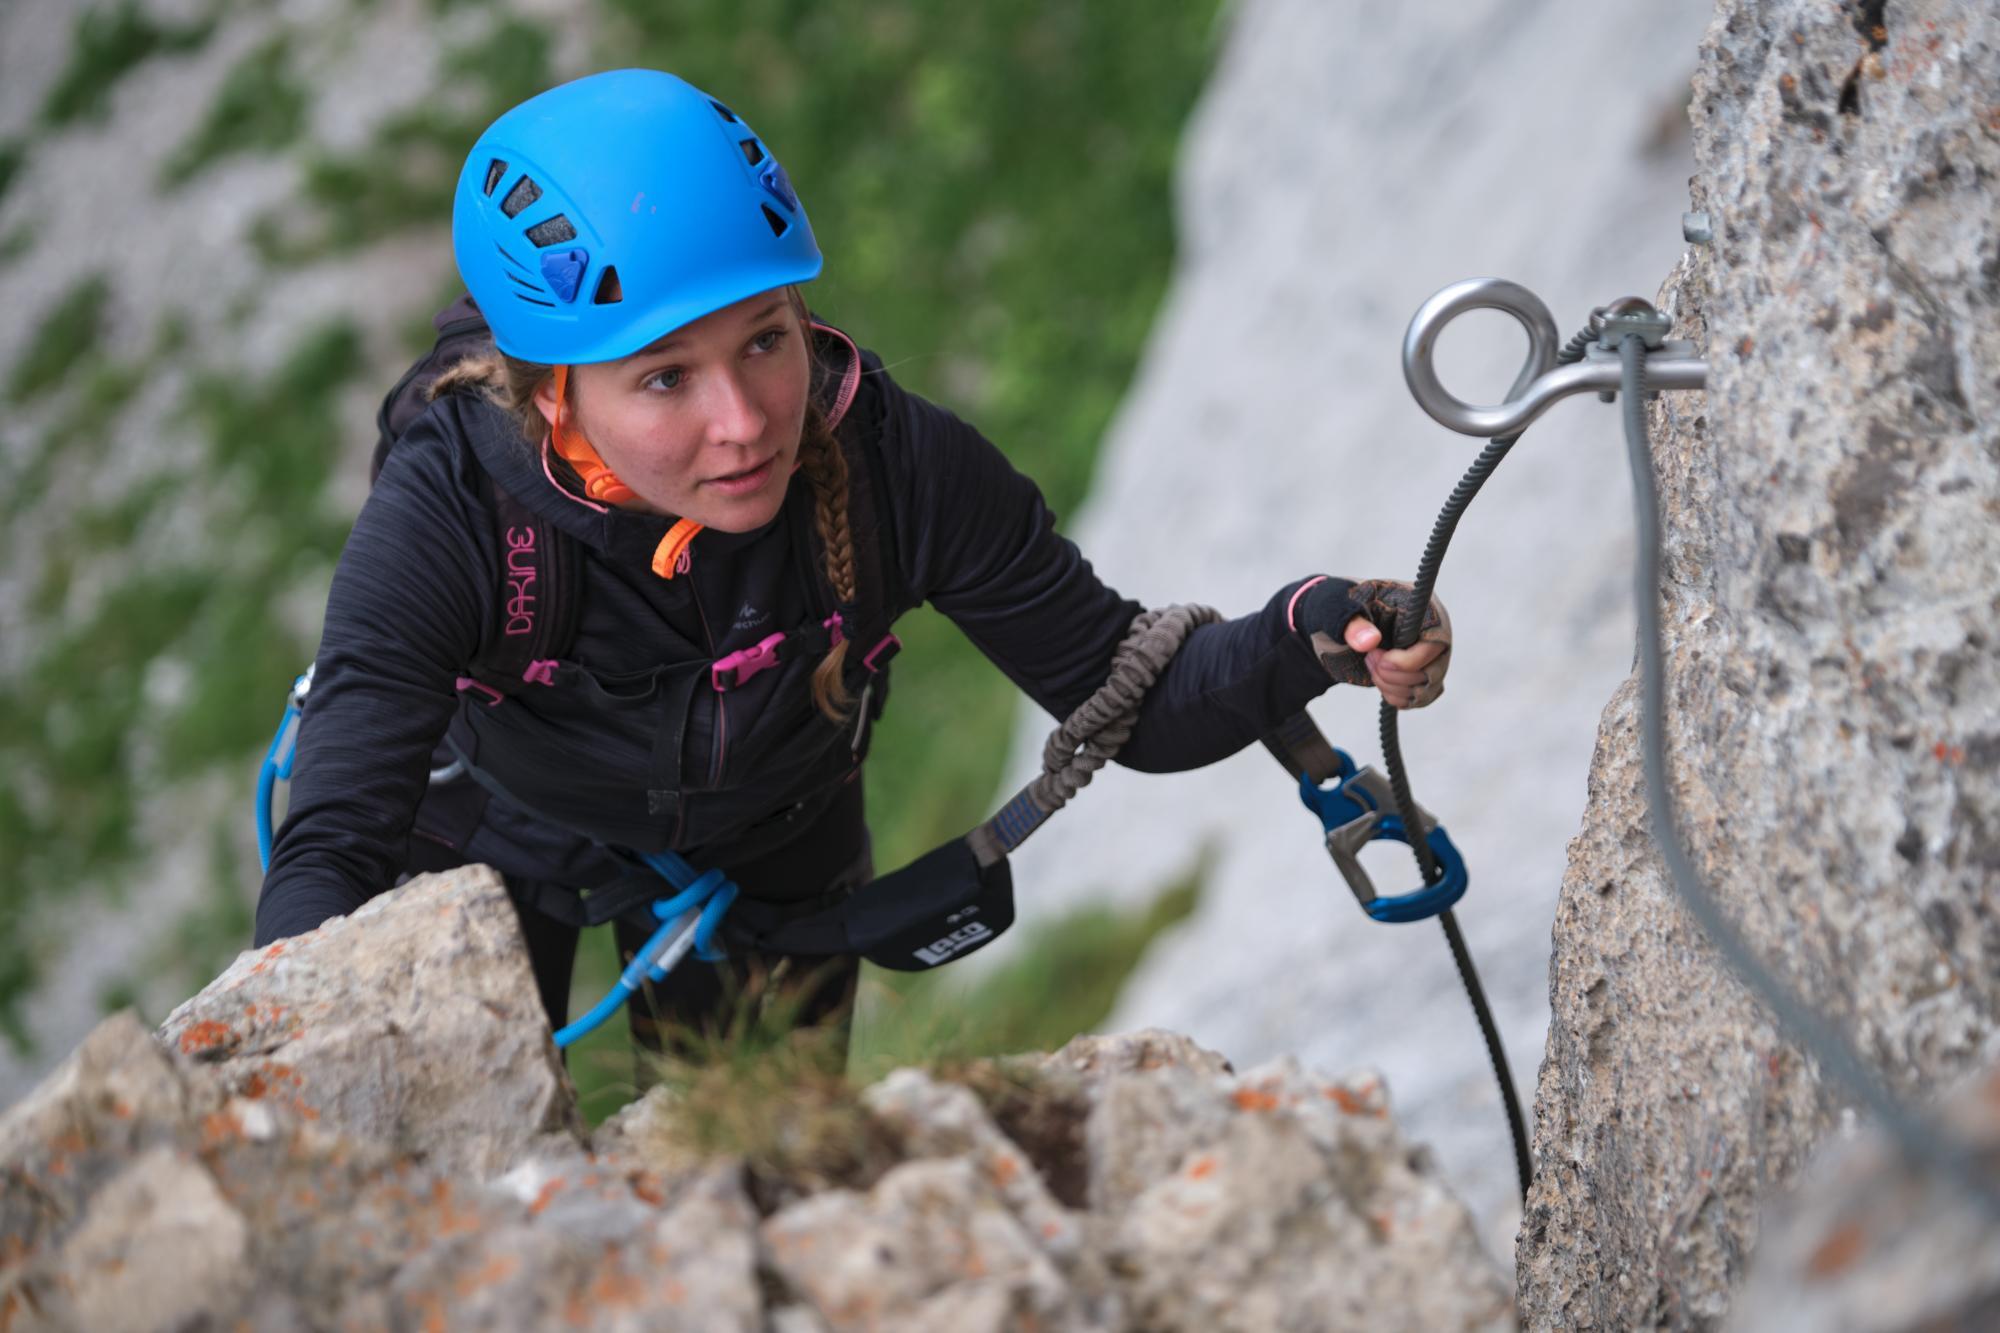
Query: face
[(705, 423)]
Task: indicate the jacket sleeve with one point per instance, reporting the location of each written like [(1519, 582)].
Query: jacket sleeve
[(975, 539), (405, 613)]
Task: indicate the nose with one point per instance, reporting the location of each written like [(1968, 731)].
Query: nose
[(733, 415)]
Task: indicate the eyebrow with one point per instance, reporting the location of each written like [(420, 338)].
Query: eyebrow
[(673, 340)]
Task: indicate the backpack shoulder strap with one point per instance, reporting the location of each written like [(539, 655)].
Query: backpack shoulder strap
[(462, 332), (537, 585), (874, 556)]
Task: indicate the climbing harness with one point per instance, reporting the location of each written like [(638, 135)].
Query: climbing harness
[(1624, 355)]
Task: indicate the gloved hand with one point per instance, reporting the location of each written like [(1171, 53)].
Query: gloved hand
[(1348, 624)]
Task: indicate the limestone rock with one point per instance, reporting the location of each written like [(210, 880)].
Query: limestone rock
[(259, 1162), (1831, 617), (1869, 1245), (932, 1246), (1128, 1052), (412, 1022), (1280, 1200)]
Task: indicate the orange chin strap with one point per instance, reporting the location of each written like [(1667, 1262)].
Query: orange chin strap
[(601, 483)]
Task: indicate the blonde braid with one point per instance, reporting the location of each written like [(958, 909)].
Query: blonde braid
[(825, 469)]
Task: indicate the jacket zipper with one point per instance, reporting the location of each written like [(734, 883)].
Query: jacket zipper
[(718, 744)]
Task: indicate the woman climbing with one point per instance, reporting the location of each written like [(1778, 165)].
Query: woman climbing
[(627, 586)]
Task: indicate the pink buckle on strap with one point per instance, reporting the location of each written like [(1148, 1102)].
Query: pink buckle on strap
[(541, 673), (494, 696), (744, 663), (889, 642)]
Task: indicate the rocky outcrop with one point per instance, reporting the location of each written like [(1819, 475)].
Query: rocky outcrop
[(1831, 620), (367, 1127), (1867, 1245)]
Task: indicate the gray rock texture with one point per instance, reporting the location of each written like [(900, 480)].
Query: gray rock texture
[(1866, 1245), (1831, 617), (413, 1022), (362, 1130)]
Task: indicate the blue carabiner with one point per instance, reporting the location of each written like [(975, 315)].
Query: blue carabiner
[(1357, 808)]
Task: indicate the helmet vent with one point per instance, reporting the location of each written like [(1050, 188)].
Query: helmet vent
[(752, 153), (778, 225), (723, 111), (553, 232), (496, 171), (535, 301), (525, 192), (608, 290)]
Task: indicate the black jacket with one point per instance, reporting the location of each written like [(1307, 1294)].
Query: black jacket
[(622, 750)]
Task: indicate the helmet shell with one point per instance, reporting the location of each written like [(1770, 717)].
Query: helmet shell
[(601, 215)]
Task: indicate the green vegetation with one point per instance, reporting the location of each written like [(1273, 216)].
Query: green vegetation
[(68, 334), (404, 176), (12, 155), (16, 243), (259, 108), (108, 44), (79, 737), (735, 1092)]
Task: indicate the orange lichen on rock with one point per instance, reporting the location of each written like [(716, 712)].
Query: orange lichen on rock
[(1255, 1099), (1353, 1105), (1004, 1168), (548, 1193), (613, 1286), (207, 1035), (1201, 1168), (451, 1220), (217, 1126), (646, 1185), (495, 1270), (1837, 1253)]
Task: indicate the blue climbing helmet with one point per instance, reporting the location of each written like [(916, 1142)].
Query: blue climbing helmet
[(603, 214)]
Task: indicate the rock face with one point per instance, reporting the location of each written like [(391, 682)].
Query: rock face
[(368, 1128), (1831, 619), (1867, 1246)]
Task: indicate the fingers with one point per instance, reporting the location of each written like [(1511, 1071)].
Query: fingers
[(1361, 635), (1386, 672), (1418, 657)]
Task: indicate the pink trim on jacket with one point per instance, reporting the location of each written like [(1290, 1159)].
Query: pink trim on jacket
[(561, 489), (849, 382)]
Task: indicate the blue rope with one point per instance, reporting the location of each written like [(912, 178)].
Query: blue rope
[(696, 910), (277, 767)]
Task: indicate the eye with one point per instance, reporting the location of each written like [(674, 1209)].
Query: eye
[(666, 380), (768, 340)]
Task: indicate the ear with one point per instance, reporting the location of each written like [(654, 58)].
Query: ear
[(545, 400)]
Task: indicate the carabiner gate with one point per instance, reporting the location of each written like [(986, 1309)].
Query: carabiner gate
[(1358, 808)]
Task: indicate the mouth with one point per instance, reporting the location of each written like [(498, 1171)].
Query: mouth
[(738, 483)]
